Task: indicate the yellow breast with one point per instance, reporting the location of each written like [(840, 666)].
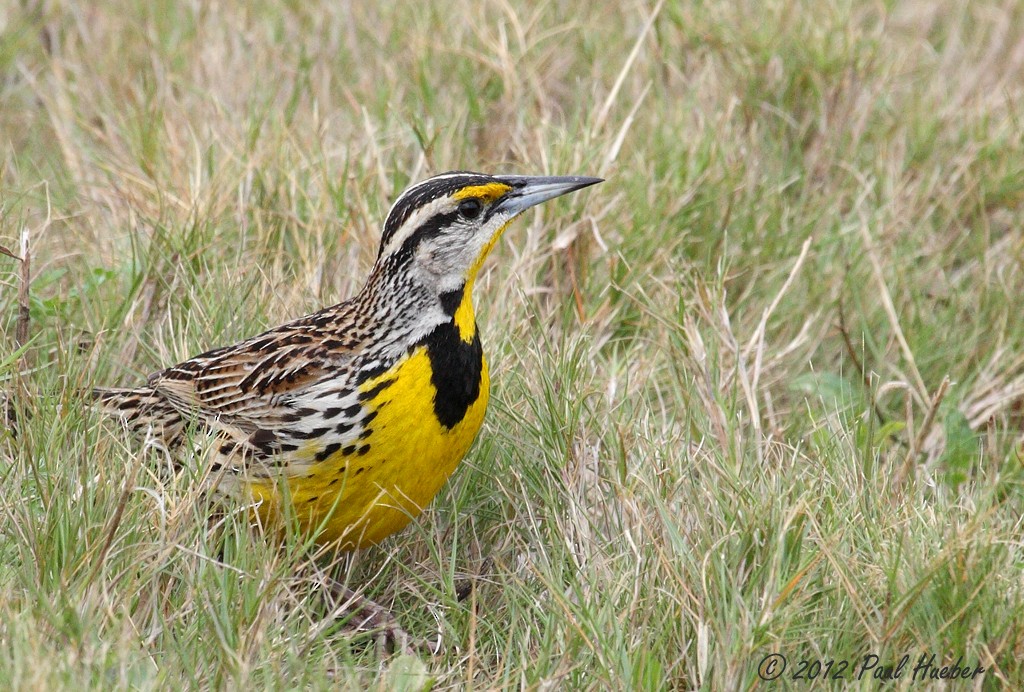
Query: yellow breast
[(357, 498)]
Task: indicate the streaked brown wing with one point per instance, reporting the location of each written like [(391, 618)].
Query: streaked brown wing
[(254, 385)]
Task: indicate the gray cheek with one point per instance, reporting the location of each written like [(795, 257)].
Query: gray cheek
[(446, 258)]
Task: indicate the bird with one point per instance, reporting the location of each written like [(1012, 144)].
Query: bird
[(357, 414)]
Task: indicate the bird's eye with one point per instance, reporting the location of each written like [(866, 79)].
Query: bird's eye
[(470, 208)]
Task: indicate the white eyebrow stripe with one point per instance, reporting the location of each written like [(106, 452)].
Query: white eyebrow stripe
[(415, 220)]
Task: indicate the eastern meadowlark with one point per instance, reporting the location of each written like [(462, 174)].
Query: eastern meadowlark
[(356, 414)]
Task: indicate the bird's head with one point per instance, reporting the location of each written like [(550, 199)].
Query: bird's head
[(439, 231)]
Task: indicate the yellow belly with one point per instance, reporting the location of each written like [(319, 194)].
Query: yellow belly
[(357, 500)]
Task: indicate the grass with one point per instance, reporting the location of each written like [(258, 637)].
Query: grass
[(759, 392)]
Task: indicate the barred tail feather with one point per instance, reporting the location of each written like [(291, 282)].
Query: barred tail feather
[(143, 411)]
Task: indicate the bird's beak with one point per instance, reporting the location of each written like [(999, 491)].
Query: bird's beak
[(529, 190)]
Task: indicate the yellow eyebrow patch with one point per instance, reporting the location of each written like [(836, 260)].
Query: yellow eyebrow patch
[(488, 193)]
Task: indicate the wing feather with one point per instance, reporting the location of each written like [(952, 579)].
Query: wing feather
[(255, 385)]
